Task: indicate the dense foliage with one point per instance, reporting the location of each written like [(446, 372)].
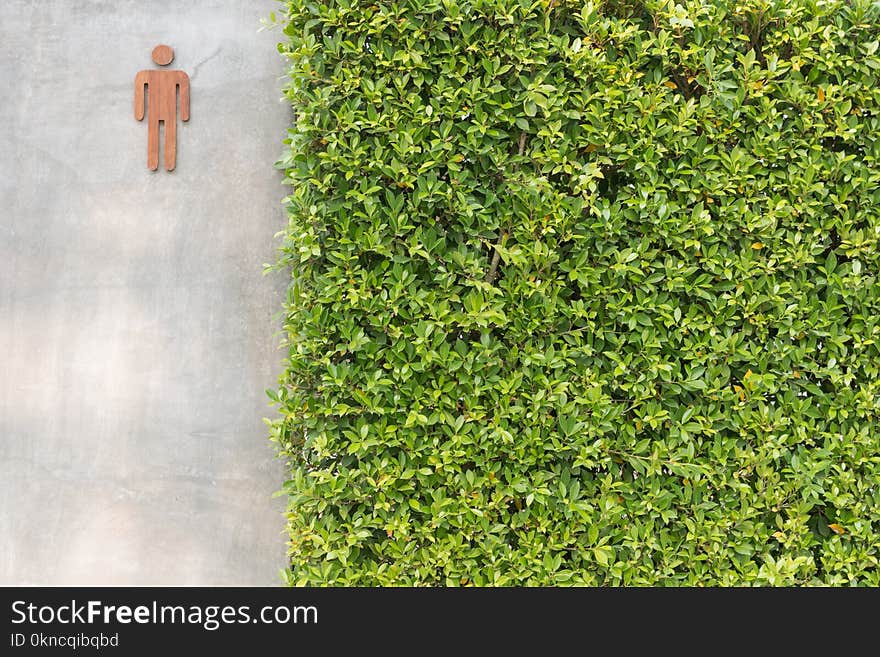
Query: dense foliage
[(582, 292)]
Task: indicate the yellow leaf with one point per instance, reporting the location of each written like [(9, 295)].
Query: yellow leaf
[(779, 536), (757, 246), (670, 84), (837, 529), (747, 374), (820, 94)]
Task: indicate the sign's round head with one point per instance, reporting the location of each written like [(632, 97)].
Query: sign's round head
[(163, 55)]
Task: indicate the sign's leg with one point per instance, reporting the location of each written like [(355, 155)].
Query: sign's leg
[(170, 144), (153, 144)]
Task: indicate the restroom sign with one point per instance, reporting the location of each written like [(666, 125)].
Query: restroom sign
[(156, 95)]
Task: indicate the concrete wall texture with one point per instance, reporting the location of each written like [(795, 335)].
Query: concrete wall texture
[(137, 331)]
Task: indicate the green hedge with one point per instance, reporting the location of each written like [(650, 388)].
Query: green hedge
[(582, 292)]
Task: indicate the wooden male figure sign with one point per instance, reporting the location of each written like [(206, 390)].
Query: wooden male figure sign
[(161, 105)]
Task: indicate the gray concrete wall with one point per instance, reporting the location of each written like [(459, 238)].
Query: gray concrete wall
[(137, 332)]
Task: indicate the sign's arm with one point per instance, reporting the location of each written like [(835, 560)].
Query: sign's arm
[(140, 81), (183, 83)]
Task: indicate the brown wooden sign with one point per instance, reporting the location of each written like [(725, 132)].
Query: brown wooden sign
[(156, 93)]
